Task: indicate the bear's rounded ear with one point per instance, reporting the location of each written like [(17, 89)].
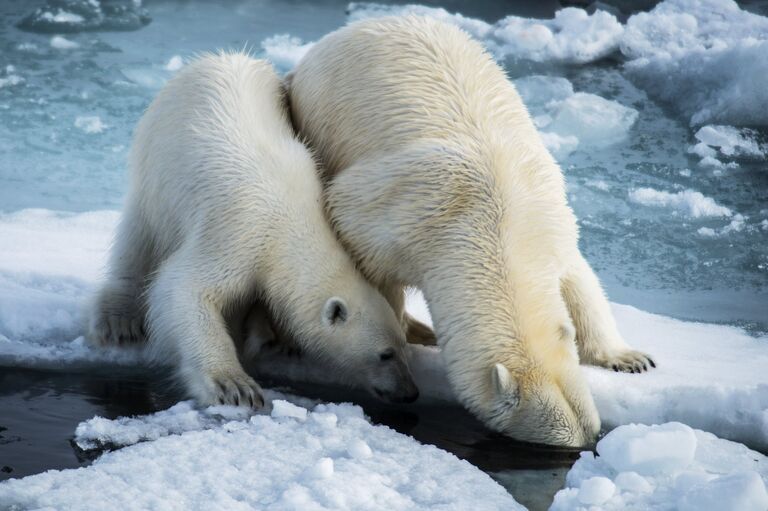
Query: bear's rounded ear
[(335, 311), (504, 384)]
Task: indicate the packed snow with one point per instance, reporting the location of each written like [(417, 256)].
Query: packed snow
[(667, 466), (328, 458)]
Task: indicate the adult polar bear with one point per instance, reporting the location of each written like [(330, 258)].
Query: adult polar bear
[(225, 209), (437, 178)]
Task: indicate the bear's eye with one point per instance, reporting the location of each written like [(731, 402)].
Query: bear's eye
[(387, 355)]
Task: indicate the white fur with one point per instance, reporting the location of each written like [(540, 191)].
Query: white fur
[(438, 179), (224, 211)]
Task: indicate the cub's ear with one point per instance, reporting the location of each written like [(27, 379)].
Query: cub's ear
[(504, 384), (335, 311)]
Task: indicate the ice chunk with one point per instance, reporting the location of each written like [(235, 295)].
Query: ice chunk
[(706, 58), (62, 43), (285, 51), (267, 463), (632, 482), (568, 120), (689, 202), (744, 491), (731, 141), (90, 124), (358, 449), (596, 121), (174, 63), (715, 475), (648, 449), (282, 408), (572, 36), (596, 490)]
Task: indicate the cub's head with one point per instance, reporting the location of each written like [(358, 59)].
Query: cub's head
[(366, 343)]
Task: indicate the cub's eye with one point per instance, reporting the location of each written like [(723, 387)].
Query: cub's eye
[(387, 355)]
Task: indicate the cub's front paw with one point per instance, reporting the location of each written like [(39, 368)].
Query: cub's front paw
[(627, 361), (236, 389)]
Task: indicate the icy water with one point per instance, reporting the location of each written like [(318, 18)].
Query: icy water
[(69, 102)]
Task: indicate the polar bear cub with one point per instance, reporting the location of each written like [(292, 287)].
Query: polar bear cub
[(437, 178), (225, 210)]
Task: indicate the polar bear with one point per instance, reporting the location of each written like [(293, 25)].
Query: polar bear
[(435, 177), (225, 210)]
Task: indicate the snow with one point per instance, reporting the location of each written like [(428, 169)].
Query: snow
[(689, 202), (568, 120), (261, 462), (702, 473), (62, 43), (90, 124), (706, 58)]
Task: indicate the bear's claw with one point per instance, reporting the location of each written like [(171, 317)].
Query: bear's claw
[(237, 390), (628, 361)]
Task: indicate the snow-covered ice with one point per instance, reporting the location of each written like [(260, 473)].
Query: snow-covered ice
[(263, 462), (284, 51), (663, 467)]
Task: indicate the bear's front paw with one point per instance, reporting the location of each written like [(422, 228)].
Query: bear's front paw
[(627, 361), (236, 389)]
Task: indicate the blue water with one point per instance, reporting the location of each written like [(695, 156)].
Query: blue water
[(646, 256)]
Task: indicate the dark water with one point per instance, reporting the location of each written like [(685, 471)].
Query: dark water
[(39, 411)]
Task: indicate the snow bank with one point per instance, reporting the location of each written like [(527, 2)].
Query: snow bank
[(706, 58), (571, 37), (669, 466), (568, 120), (334, 459), (688, 202)]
